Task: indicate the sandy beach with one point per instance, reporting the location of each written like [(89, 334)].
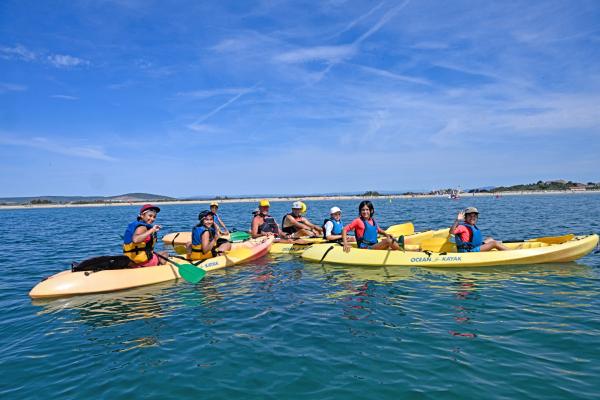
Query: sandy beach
[(306, 198)]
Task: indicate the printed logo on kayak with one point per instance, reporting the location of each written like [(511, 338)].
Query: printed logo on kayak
[(212, 264), (295, 248), (428, 259)]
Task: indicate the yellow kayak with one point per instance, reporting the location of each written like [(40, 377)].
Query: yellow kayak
[(181, 238), (531, 253), (69, 283), (414, 239)]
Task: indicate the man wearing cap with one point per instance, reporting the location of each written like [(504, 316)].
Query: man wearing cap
[(213, 208), (265, 225), (468, 236), (140, 238), (333, 226), (296, 225)]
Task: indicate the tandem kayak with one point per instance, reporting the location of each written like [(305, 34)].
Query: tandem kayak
[(69, 283), (531, 253), (413, 239)]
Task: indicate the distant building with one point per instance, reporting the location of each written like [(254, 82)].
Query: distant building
[(577, 188), (558, 181)]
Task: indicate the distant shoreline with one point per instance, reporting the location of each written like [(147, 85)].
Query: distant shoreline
[(300, 198)]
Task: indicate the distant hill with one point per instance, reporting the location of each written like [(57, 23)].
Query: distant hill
[(73, 199)]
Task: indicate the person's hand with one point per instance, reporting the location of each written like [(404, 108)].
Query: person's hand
[(218, 234), (227, 232), (460, 216), (156, 228), (347, 248)]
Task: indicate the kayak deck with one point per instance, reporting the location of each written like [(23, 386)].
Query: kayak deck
[(69, 283), (532, 253)]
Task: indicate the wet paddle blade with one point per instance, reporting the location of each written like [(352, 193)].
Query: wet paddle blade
[(238, 236), (239, 253), (436, 245), (402, 229), (181, 250), (554, 240), (191, 273)]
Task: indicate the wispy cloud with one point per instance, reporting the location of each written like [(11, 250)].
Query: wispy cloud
[(12, 87), (382, 21), (62, 96), (204, 94), (94, 152), (318, 53), (20, 52)]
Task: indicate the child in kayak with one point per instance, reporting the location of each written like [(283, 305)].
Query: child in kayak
[(214, 207), (140, 238), (366, 229), (468, 235), (333, 226), (204, 238)]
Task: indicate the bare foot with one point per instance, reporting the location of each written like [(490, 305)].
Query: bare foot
[(519, 248)]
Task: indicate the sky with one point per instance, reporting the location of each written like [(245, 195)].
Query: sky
[(187, 98)]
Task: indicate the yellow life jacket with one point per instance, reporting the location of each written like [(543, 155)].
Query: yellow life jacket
[(197, 253), (138, 253)]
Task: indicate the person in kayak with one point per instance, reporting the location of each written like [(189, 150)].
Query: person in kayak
[(265, 225), (468, 236), (214, 207), (366, 230), (140, 238), (205, 237), (333, 226), (296, 225)]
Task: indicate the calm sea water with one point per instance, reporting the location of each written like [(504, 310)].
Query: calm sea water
[(281, 327)]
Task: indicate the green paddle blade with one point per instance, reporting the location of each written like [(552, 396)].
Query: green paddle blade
[(238, 236), (191, 273), (401, 242)]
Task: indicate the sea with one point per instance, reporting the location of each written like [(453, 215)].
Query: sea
[(281, 327)]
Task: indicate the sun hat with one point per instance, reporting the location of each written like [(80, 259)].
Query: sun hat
[(205, 214), (335, 209), (297, 205), (214, 204), (149, 207), (264, 203), (471, 210)]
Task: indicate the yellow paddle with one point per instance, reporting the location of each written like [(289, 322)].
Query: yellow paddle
[(401, 229), (548, 240), (437, 245)]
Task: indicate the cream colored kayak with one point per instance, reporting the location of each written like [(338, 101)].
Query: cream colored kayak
[(414, 239), (181, 238), (71, 283), (532, 253)]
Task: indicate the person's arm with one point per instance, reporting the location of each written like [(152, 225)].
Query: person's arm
[(208, 244), (459, 217), (141, 233), (223, 225), (280, 232), (311, 225), (328, 232), (384, 233), (255, 225), (292, 221)]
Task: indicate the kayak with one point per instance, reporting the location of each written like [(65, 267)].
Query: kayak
[(69, 283), (531, 253), (414, 239)]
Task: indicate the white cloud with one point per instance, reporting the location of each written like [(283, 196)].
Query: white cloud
[(65, 61), (204, 94), (430, 46), (95, 152), (19, 52), (12, 87), (62, 96), (318, 53)]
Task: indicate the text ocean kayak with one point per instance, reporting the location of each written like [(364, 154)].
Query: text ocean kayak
[(72, 283), (532, 253)]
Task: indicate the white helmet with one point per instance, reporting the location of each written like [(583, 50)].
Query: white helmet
[(297, 205)]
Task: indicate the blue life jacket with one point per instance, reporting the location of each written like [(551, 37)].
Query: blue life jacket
[(476, 241), (338, 226), (216, 219), (143, 251), (197, 233), (370, 235)]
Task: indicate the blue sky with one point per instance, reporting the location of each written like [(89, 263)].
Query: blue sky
[(238, 97)]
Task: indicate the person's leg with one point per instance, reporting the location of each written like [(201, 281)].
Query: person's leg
[(188, 245), (303, 232), (386, 244), (496, 245), (162, 261), (224, 247)]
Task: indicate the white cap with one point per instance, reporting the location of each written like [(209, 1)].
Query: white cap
[(297, 204), (335, 209)]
